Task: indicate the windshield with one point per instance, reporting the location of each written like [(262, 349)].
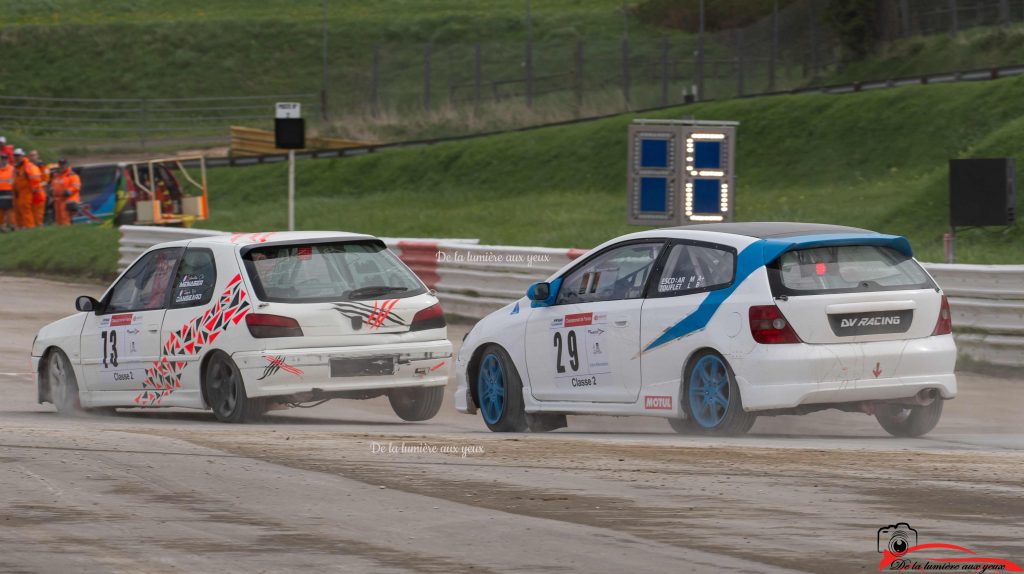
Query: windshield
[(846, 268), (321, 272)]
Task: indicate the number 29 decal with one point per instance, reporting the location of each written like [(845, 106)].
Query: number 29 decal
[(573, 348)]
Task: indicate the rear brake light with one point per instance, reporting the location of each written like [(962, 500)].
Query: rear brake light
[(264, 326), (769, 326), (944, 325), (430, 318)]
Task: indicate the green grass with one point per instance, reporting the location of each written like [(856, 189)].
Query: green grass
[(70, 253), (875, 159)]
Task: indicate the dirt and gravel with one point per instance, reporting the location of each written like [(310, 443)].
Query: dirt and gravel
[(348, 487)]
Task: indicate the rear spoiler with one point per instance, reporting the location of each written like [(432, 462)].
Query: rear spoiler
[(774, 247)]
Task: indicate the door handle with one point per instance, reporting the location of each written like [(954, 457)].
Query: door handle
[(621, 322), (153, 329)]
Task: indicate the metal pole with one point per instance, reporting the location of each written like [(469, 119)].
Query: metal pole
[(664, 71), (529, 55), (905, 18), (739, 61), (625, 70), (700, 55), (477, 76), (426, 78), (813, 43), (291, 190), (773, 57), (143, 125), (1004, 12), (375, 82), (954, 22), (323, 66), (579, 77)]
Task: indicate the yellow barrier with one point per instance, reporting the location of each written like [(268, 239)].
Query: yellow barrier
[(251, 141)]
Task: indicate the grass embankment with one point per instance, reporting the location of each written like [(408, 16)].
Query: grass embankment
[(875, 159)]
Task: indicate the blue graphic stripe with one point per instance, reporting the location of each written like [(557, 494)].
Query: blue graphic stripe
[(759, 254)]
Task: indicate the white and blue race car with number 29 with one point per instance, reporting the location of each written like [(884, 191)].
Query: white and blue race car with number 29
[(711, 326)]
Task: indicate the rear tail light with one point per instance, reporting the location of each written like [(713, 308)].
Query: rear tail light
[(944, 325), (264, 326), (769, 326), (430, 318)]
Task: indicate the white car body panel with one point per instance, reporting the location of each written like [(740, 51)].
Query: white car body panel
[(830, 369), (163, 367)]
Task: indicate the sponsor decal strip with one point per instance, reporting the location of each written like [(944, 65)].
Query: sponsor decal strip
[(165, 375), (652, 402)]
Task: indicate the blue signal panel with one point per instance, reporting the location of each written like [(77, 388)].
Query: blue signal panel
[(707, 195), (654, 154), (653, 194), (707, 155)]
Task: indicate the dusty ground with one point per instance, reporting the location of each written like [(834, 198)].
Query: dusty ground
[(330, 489)]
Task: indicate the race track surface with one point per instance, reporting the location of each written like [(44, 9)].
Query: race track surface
[(331, 489)]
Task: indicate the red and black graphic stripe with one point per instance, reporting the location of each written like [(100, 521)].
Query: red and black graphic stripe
[(165, 376), (374, 316), (275, 364)]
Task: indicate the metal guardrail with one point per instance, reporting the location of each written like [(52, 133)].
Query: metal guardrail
[(987, 302), (473, 280)]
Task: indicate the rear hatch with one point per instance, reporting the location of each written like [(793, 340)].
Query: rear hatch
[(336, 293), (854, 293)]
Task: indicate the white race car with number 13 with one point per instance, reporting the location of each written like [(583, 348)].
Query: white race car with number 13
[(246, 322), (713, 325)]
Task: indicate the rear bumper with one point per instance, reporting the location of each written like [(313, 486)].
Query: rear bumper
[(290, 371), (785, 376)]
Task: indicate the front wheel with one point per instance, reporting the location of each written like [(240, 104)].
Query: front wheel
[(63, 385), (500, 392), (909, 421), (416, 403), (712, 398), (225, 392)]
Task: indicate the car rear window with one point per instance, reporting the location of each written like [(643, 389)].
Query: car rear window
[(321, 272), (846, 269)]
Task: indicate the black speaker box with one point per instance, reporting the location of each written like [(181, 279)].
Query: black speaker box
[(982, 192), (289, 133)]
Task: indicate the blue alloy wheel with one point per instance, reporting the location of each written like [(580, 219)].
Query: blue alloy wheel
[(709, 391), (491, 389)]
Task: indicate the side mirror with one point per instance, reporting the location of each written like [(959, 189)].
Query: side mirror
[(86, 304), (539, 292)]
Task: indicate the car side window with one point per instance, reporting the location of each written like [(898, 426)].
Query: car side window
[(194, 281), (693, 269), (144, 287), (618, 273)]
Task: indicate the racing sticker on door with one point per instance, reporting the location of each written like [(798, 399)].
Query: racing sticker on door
[(119, 344), (580, 350), (165, 376)]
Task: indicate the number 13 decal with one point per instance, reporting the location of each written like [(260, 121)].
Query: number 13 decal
[(574, 355), (111, 338)]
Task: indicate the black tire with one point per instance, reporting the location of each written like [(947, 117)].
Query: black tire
[(225, 392), (63, 385), (682, 426), (909, 421), (416, 403), (728, 419), (508, 413)]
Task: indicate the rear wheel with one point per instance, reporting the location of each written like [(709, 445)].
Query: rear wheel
[(712, 398), (63, 384), (416, 403), (225, 392), (909, 421), (500, 392)]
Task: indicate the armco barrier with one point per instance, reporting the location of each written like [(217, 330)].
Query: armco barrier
[(472, 280), (987, 302)]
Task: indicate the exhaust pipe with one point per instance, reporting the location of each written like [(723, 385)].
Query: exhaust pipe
[(923, 398)]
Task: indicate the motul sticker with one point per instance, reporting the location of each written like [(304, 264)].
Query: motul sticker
[(661, 403), (122, 320), (578, 320)]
